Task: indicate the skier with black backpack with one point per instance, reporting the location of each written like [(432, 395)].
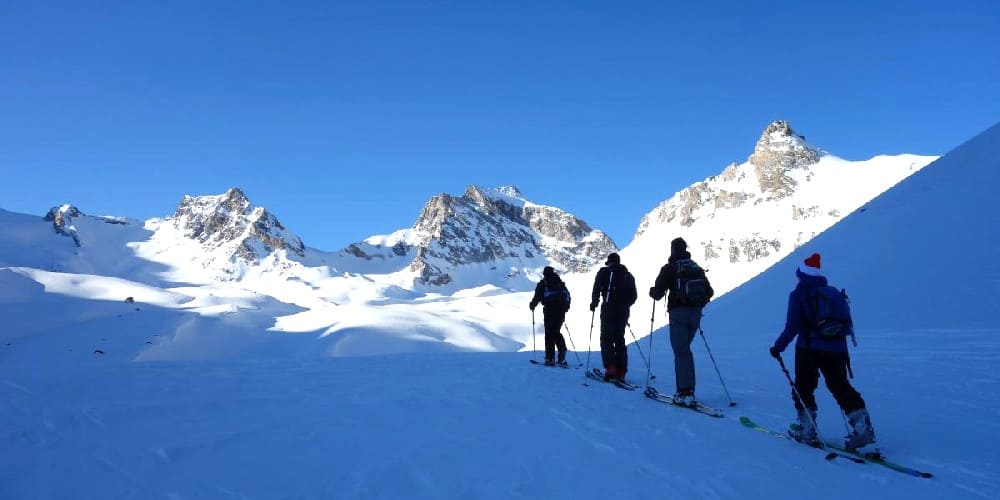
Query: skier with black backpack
[(688, 291), (551, 292), (819, 315), (615, 285)]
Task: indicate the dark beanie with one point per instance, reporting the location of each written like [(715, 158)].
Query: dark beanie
[(613, 259), (548, 270), (678, 244)]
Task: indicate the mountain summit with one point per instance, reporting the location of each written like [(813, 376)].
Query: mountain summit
[(779, 150), (496, 228), (231, 231), (746, 218)]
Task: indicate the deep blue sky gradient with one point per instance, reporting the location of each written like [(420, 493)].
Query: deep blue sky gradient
[(343, 118)]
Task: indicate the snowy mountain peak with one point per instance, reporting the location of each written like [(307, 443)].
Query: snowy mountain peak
[(779, 150), (754, 213), (230, 228), (492, 229)]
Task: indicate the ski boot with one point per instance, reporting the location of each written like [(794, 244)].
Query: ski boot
[(861, 438), (804, 430)]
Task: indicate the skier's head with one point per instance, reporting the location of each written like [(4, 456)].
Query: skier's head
[(548, 271), (809, 267), (613, 258), (678, 249), (678, 245)]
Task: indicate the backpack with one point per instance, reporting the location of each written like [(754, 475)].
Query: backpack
[(621, 288), (691, 287), (557, 297), (830, 313)]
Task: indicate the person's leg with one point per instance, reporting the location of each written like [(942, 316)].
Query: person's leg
[(607, 341), (551, 330), (806, 379), (681, 335), (833, 365), (560, 341), (621, 347)]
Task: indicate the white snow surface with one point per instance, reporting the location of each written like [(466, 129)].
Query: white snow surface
[(308, 383)]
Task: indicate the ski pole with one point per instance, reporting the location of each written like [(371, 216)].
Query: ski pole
[(709, 349), (649, 368), (590, 338), (570, 337), (639, 347), (534, 350)]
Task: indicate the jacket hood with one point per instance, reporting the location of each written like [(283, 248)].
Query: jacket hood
[(677, 254), (806, 281)]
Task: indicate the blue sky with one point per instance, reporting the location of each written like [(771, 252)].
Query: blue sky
[(345, 117)]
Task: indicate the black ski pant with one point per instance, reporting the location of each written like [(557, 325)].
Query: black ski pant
[(833, 365), (614, 352), (553, 337)]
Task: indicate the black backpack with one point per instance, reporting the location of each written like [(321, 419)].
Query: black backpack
[(556, 296), (621, 288), (830, 311), (691, 287)]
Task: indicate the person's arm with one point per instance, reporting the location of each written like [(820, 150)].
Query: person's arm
[(539, 292), (599, 285), (659, 288), (793, 323)]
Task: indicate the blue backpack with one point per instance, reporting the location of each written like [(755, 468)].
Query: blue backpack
[(830, 311), (557, 297)]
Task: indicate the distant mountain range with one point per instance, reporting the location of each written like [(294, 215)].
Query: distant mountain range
[(737, 223), (450, 280)]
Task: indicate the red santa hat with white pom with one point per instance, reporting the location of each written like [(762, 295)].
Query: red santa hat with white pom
[(810, 266)]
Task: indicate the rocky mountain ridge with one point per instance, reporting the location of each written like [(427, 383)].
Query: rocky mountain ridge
[(492, 227), (753, 213)]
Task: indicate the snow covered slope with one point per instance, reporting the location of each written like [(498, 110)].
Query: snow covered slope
[(268, 414)]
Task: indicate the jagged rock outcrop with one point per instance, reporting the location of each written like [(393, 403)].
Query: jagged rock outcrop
[(229, 221), (495, 227), (61, 218), (778, 150)]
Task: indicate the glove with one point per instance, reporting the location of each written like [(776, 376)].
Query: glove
[(653, 294), (775, 353), (532, 305), (593, 306)]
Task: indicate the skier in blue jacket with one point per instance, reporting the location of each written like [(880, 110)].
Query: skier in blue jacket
[(819, 355)]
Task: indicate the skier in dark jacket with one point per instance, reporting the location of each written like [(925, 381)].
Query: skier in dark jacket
[(685, 320), (818, 355), (554, 297), (615, 286)]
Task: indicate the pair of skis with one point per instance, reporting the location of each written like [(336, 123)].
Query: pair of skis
[(597, 374), (655, 395), (554, 365), (834, 450)]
